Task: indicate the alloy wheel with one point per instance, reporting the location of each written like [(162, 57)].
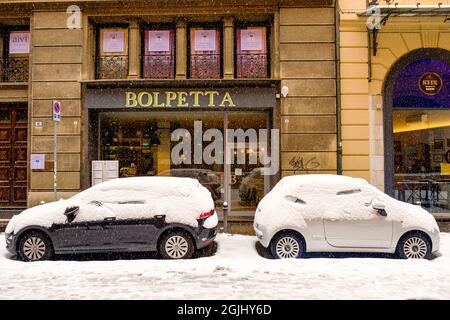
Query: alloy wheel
[(287, 247), (176, 247), (34, 248), (415, 248)]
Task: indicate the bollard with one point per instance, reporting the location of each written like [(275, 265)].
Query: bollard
[(225, 217)]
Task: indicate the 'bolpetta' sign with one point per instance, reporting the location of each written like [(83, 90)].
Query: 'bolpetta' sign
[(218, 98), (180, 99)]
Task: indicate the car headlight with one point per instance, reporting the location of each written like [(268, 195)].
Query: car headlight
[(8, 237)]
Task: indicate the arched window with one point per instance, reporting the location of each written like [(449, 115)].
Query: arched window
[(424, 83), (417, 146)]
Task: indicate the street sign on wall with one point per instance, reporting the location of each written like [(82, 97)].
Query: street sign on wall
[(37, 161), (56, 106)]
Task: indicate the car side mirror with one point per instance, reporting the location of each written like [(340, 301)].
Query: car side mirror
[(71, 213), (380, 207)]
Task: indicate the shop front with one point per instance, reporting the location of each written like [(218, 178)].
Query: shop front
[(417, 132), (219, 135)]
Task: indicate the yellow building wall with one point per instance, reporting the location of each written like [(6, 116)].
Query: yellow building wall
[(362, 109)]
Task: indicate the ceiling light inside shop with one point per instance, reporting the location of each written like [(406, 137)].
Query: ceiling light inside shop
[(416, 118)]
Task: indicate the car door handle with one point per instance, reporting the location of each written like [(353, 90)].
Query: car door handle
[(333, 219)]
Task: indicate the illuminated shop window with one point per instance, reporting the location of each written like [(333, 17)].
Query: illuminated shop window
[(159, 53), (205, 53), (421, 127)]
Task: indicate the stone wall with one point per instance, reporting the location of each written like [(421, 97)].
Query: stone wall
[(56, 64), (308, 69)]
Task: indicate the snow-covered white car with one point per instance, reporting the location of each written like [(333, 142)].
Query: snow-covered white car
[(174, 216), (329, 213)]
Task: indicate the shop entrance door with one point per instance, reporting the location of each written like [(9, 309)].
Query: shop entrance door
[(13, 155), (245, 183)]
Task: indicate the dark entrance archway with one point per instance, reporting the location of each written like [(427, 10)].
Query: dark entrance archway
[(403, 91)]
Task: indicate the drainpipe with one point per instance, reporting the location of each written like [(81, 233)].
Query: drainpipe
[(338, 87)]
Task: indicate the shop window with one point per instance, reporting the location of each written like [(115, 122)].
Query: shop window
[(159, 53), (15, 52), (251, 52), (421, 134), (205, 53), (112, 57), (143, 143)]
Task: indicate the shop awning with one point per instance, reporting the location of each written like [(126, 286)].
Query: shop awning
[(408, 10)]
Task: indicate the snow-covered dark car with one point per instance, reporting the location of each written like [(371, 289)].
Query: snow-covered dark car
[(174, 216)]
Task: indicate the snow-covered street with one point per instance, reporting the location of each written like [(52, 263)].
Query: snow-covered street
[(236, 271)]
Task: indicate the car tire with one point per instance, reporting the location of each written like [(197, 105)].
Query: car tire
[(176, 245), (35, 246), (414, 246), (287, 245)]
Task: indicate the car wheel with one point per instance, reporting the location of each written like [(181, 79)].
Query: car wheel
[(414, 246), (35, 246), (287, 245), (176, 245)]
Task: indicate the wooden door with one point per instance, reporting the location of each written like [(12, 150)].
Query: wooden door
[(13, 155)]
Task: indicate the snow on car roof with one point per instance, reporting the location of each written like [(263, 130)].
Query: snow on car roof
[(155, 184), (322, 179), (141, 183), (320, 183)]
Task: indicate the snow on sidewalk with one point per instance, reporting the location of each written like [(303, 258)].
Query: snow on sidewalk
[(237, 271)]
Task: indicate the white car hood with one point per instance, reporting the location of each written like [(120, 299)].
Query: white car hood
[(43, 215)]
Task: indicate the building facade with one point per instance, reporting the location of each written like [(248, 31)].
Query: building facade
[(394, 91), (137, 79)]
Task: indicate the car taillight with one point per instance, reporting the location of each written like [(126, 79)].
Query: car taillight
[(205, 215)]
